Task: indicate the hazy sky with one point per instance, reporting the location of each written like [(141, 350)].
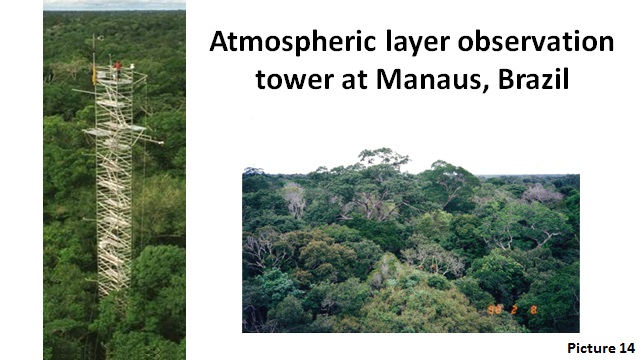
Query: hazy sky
[(114, 5)]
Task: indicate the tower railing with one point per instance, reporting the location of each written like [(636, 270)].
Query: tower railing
[(115, 136)]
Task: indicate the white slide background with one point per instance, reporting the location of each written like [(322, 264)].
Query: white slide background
[(589, 129)]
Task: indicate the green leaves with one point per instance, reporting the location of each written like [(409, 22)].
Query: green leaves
[(160, 211), (326, 261), (525, 226), (557, 299), (289, 314), (155, 268), (435, 225), (67, 165), (68, 305), (432, 257), (421, 309), (470, 287), (455, 244), (73, 325), (144, 345), (499, 275), (170, 127), (384, 156), (274, 286), (450, 186), (158, 292)]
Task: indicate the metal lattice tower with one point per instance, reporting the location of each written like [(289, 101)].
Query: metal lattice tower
[(115, 136)]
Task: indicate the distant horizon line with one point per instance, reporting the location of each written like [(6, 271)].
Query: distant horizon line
[(116, 9), (480, 175)]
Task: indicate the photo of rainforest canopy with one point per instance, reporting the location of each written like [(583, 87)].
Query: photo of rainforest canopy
[(114, 208), (369, 248)]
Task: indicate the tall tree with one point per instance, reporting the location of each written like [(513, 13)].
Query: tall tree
[(524, 224), (450, 186), (383, 156), (294, 196), (430, 256), (541, 194)]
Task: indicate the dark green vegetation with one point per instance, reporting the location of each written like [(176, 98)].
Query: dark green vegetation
[(369, 248), (75, 324)]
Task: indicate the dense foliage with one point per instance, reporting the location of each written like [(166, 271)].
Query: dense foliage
[(76, 324), (369, 248)]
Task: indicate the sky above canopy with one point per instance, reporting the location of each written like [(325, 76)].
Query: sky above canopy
[(114, 5)]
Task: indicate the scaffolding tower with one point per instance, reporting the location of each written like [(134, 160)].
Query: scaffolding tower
[(115, 136)]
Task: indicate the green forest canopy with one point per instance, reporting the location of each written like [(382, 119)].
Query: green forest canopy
[(369, 248), (75, 324)]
